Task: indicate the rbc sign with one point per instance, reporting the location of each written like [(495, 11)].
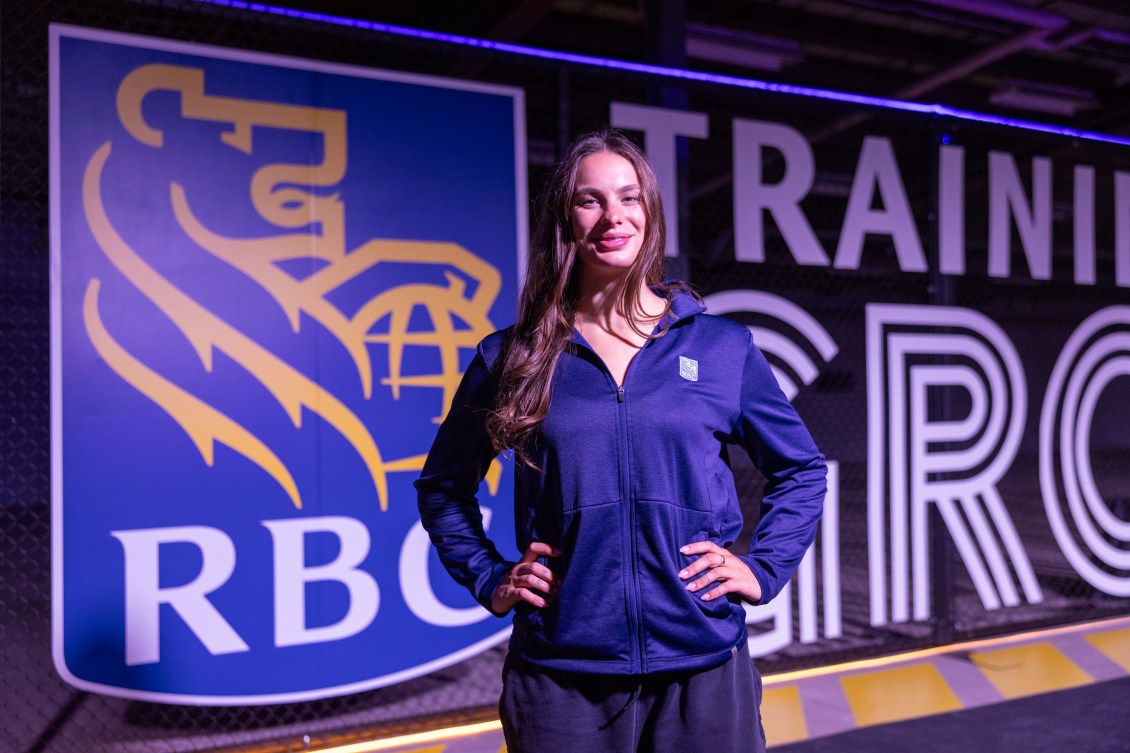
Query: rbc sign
[(267, 277)]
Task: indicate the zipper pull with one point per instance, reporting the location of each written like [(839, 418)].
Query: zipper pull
[(620, 394)]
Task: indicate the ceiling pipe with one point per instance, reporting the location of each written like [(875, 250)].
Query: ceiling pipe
[(971, 64), (1110, 35), (1004, 11), (739, 48)]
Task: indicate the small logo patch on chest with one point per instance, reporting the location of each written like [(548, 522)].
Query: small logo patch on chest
[(688, 369)]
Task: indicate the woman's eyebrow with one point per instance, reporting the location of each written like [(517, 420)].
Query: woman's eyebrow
[(593, 189)]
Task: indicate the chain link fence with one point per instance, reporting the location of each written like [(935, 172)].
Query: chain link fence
[(40, 713)]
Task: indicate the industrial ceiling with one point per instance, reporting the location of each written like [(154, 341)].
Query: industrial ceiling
[(1054, 61)]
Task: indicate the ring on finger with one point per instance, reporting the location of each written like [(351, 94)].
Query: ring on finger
[(723, 562)]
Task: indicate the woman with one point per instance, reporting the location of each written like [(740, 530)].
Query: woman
[(618, 396)]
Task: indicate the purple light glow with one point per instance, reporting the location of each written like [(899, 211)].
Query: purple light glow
[(680, 73)]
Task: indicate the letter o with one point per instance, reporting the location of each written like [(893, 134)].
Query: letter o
[(416, 587), (1082, 522)]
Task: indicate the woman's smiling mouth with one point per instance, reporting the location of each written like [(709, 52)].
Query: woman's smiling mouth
[(613, 242)]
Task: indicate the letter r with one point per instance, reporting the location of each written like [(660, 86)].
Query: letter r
[(144, 594), (954, 463)]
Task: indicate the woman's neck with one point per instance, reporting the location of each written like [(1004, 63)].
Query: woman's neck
[(600, 303)]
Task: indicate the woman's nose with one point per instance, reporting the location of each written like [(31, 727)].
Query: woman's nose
[(613, 215)]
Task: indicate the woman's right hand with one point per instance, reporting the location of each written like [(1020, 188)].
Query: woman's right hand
[(528, 581)]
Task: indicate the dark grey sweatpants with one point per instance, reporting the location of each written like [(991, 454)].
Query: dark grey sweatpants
[(715, 710)]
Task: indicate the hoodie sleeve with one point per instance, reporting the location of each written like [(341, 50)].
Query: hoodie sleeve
[(782, 448), (446, 489)]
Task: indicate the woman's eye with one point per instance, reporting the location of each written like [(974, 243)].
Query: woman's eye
[(587, 202), (631, 199)]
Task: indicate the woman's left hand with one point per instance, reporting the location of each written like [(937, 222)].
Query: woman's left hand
[(718, 565)]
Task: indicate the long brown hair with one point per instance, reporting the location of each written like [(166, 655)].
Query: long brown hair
[(548, 301)]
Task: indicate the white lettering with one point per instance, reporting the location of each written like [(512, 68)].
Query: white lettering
[(416, 584), (292, 576), (771, 340), (144, 594), (1084, 225), (752, 195), (963, 482), (660, 128), (951, 210), (1097, 352), (1007, 200), (878, 170), (878, 202), (1122, 229)]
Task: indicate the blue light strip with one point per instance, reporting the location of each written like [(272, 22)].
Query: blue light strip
[(680, 73)]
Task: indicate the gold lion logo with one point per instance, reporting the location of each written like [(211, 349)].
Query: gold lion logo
[(283, 195)]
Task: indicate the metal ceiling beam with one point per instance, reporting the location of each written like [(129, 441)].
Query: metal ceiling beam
[(1048, 25), (1004, 11), (970, 65)]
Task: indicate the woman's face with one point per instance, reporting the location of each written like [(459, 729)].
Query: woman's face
[(608, 215)]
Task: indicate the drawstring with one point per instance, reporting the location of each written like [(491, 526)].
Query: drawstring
[(632, 698)]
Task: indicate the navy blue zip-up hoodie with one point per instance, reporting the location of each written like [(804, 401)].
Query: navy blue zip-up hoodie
[(629, 475)]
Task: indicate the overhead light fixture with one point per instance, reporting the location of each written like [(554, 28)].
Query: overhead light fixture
[(739, 48), (1040, 97)]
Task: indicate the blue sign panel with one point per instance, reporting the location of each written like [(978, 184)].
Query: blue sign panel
[(268, 276)]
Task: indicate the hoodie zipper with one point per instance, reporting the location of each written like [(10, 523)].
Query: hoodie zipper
[(627, 514), (627, 518)]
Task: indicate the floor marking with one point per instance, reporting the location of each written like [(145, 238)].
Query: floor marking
[(892, 695), (1115, 644), (1028, 670), (783, 715)]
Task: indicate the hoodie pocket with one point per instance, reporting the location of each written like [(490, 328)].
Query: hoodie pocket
[(588, 618), (678, 622)]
